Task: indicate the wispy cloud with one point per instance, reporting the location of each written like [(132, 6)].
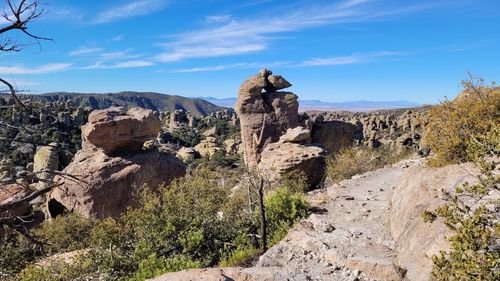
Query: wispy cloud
[(243, 65), (131, 9), (46, 68), (85, 51), (356, 58), (255, 34), (217, 19), (123, 64), (117, 38)]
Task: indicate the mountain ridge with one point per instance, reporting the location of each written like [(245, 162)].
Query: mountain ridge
[(148, 100)]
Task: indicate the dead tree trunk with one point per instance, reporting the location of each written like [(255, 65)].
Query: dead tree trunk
[(262, 214)]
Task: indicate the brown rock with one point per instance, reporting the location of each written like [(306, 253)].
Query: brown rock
[(115, 129), (264, 116), (12, 192), (107, 185)]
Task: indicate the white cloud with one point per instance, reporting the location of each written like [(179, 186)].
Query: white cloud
[(255, 34), (124, 64), (46, 68), (85, 51), (131, 9), (243, 65), (356, 58)]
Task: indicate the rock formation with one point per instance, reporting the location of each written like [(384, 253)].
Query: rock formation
[(116, 129), (264, 116), (276, 140), (106, 174)]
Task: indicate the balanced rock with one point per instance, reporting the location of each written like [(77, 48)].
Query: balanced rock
[(264, 116), (106, 175), (115, 129)]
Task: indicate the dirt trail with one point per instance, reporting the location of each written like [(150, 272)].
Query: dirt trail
[(348, 236)]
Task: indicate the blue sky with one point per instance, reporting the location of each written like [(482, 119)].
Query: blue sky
[(329, 50)]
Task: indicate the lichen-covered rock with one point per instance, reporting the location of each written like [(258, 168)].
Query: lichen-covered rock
[(186, 154), (46, 158), (116, 129), (106, 185)]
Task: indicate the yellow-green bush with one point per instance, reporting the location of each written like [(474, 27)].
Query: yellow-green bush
[(358, 160), (454, 126)]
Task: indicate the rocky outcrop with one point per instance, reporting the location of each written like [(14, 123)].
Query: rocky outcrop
[(264, 116), (333, 135), (115, 129), (105, 176)]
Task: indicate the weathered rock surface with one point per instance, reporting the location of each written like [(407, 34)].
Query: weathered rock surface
[(115, 129), (419, 191), (10, 193), (264, 116), (107, 185)]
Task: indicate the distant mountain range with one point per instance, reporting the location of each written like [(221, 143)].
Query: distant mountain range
[(204, 105), (149, 100), (307, 105)]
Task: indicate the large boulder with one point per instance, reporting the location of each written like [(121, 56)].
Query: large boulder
[(264, 116), (104, 186), (292, 155), (117, 129)]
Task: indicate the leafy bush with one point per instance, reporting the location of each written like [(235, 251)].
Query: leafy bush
[(283, 209), (454, 126)]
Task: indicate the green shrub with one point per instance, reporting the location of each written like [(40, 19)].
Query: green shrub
[(154, 266), (284, 208)]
